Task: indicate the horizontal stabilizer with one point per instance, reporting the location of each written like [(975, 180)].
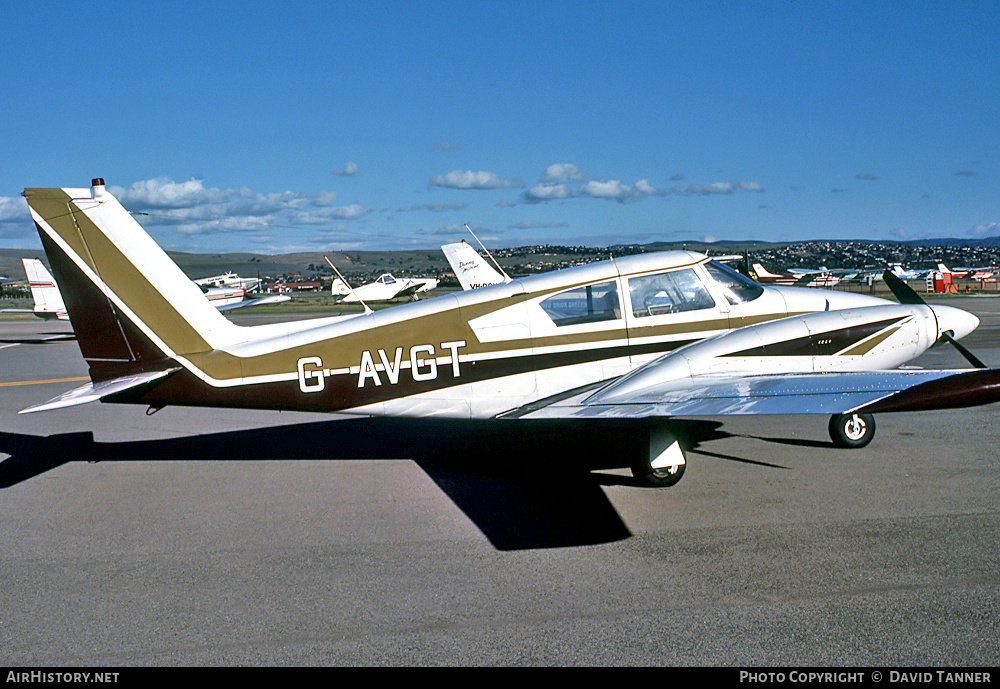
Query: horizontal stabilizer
[(95, 391)]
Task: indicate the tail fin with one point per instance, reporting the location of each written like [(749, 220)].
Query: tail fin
[(763, 272), (48, 300), (470, 268), (130, 305)]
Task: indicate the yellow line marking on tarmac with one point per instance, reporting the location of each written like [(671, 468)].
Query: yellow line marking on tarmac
[(43, 382)]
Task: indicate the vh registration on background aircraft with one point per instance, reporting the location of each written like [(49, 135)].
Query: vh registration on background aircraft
[(643, 338)]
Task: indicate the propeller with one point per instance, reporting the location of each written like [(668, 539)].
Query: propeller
[(744, 266), (906, 295)]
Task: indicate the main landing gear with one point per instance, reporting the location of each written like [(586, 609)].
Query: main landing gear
[(661, 463), (852, 430)]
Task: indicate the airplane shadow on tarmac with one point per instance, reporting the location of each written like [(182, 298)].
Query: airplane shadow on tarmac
[(525, 486)]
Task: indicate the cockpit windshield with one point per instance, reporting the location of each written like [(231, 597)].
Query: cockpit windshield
[(737, 287)]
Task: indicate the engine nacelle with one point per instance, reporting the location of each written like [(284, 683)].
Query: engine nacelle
[(859, 339)]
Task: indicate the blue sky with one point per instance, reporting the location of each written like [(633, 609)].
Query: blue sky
[(276, 127)]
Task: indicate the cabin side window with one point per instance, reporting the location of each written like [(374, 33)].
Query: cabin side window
[(589, 304), (672, 292)]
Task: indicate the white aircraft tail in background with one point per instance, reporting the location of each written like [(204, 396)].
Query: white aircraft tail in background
[(48, 301), (470, 268)]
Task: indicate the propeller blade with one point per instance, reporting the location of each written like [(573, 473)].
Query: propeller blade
[(902, 291), (969, 356), (905, 294)]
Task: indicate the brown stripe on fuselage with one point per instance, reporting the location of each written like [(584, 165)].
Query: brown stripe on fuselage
[(819, 344), (341, 391)]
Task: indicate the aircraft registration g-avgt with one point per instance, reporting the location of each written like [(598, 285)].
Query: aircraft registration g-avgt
[(647, 337)]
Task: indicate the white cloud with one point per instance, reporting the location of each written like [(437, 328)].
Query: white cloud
[(644, 188), (560, 173), (15, 220), (986, 229), (194, 209), (548, 192), (165, 193), (13, 208), (705, 189), (609, 189), (557, 185), (434, 207), (457, 179), (347, 170)]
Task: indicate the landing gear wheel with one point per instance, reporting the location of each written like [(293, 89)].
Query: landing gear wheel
[(657, 478), (661, 462), (852, 430)]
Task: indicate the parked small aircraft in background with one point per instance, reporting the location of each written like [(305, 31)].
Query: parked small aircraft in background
[(44, 292), (228, 298), (49, 301), (984, 273), (802, 278), (384, 288), (230, 279), (641, 339)]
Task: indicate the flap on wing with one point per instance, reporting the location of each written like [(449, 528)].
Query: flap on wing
[(95, 391), (806, 393)]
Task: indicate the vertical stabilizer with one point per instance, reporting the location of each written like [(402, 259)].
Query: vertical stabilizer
[(130, 305), (469, 267), (44, 292)]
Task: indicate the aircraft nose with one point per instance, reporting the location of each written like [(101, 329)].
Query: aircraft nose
[(959, 322)]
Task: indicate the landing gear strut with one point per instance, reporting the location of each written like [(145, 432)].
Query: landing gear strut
[(661, 463), (852, 430)]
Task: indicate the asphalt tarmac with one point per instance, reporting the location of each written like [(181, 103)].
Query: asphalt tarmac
[(222, 537)]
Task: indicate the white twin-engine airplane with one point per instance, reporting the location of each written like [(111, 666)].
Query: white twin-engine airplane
[(645, 338)]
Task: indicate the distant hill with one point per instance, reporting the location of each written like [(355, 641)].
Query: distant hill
[(351, 263), (431, 262)]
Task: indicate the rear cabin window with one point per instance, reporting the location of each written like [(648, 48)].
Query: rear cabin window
[(664, 293), (590, 304)]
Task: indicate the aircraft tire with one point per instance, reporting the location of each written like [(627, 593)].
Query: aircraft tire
[(656, 478), (852, 430)]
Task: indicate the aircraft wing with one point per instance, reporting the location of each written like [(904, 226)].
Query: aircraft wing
[(270, 299), (802, 393), (409, 290)]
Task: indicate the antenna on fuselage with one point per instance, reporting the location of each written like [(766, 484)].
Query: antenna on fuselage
[(506, 278), (367, 310)]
